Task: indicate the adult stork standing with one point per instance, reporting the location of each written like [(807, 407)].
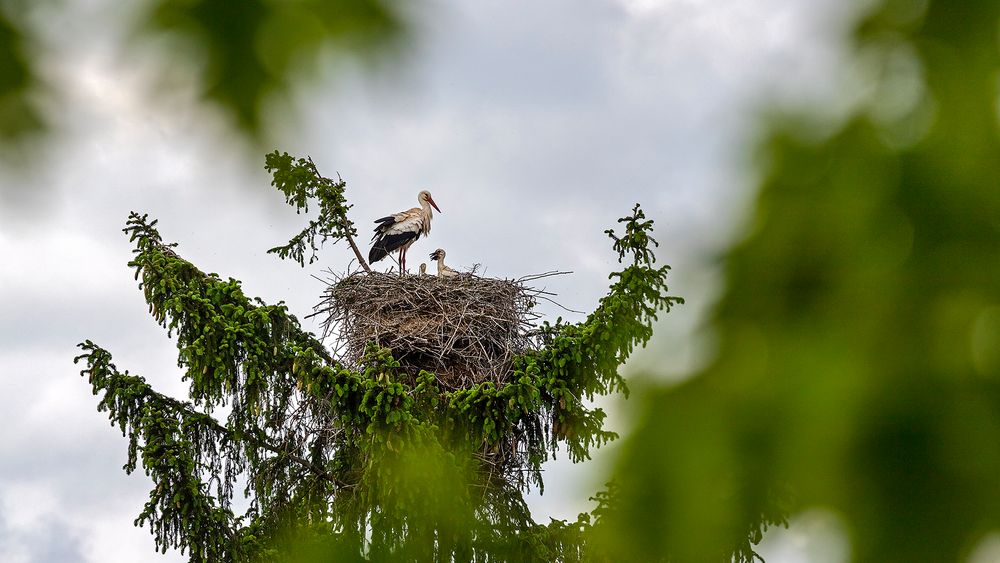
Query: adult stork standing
[(399, 230), (443, 271)]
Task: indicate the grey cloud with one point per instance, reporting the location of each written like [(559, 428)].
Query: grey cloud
[(48, 541)]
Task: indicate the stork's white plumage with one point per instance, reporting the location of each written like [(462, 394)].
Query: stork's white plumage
[(443, 271), (399, 230)]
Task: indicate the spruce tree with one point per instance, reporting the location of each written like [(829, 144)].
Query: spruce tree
[(369, 463)]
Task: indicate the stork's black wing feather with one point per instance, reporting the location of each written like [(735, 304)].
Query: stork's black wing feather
[(383, 225), (388, 243)]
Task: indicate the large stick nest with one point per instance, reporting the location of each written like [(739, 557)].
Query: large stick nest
[(465, 329)]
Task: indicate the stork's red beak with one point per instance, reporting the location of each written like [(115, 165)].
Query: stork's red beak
[(430, 200)]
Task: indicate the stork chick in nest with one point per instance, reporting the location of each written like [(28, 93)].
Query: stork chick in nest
[(443, 271), (399, 230), (423, 268)]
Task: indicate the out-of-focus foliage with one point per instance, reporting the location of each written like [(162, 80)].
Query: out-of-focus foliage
[(241, 52), (251, 48), (18, 115), (372, 463), (857, 366)]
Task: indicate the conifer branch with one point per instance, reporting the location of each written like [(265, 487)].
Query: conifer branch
[(123, 387), (345, 224), (300, 180)]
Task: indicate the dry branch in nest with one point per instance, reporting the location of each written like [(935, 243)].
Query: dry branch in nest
[(466, 329)]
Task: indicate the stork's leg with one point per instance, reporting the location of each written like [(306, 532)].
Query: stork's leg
[(402, 259)]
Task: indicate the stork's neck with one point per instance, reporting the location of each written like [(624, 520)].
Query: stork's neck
[(426, 214)]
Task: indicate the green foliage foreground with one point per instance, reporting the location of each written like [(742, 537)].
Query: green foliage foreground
[(857, 365), (372, 463)]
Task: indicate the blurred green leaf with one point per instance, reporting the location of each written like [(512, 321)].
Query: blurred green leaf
[(19, 118), (252, 49), (240, 53), (852, 370)]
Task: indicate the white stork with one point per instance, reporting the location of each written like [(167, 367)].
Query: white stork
[(443, 271), (423, 268), (399, 230)]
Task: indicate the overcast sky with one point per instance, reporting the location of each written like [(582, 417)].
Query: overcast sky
[(534, 124)]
